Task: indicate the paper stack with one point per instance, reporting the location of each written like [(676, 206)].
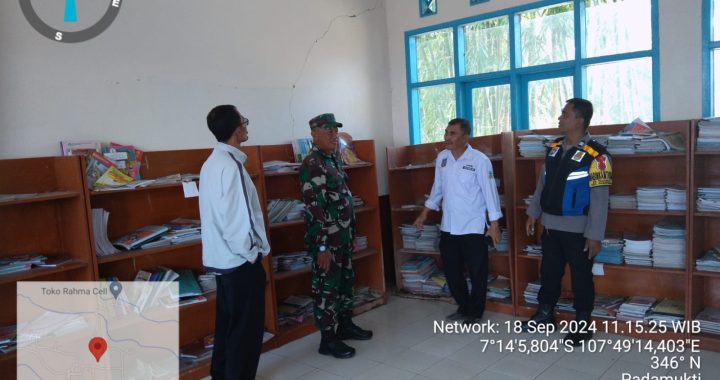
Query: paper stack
[(636, 308), (637, 250), (669, 244)]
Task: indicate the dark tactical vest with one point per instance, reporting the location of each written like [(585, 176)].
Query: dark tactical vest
[(567, 180)]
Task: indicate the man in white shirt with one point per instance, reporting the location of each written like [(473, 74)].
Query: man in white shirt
[(233, 245), (465, 187)]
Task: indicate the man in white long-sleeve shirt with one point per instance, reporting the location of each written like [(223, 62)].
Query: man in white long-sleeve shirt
[(233, 245), (465, 188)]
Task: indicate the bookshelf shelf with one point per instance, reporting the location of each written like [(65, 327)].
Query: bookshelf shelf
[(410, 168), (42, 197), (700, 273), (144, 252), (614, 211), (96, 193), (49, 218), (280, 174), (40, 272), (408, 209), (707, 214), (358, 166), (707, 153), (287, 274), (416, 252)]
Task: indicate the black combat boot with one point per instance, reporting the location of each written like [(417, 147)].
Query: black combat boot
[(543, 316), (330, 344), (582, 332), (349, 330)]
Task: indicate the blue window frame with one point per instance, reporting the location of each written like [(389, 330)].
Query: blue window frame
[(579, 70), (711, 57)]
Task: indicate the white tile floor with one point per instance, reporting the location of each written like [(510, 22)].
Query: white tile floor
[(405, 347)]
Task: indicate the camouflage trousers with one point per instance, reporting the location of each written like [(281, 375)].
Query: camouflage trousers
[(333, 290)]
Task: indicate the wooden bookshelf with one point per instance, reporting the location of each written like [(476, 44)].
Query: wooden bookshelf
[(289, 236), (411, 172), (629, 172), (50, 218), (704, 226)]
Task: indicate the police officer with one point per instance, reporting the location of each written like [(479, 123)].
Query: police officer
[(330, 222), (572, 199)]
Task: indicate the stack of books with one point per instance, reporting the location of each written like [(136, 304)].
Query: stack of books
[(280, 166), (636, 308), (531, 292), (623, 201), (606, 307), (637, 250), (197, 351), (291, 261), (180, 230), (427, 239), (710, 260), (669, 244), (103, 247), (533, 250), (282, 210), (295, 310), (611, 251), (533, 145), (8, 338), (140, 237), (361, 243), (19, 263), (527, 200), (708, 199), (621, 144), (708, 134), (675, 199), (667, 310), (498, 288), (651, 198), (709, 320), (416, 270)]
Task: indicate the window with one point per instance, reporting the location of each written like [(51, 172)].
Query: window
[(514, 69), (711, 57)]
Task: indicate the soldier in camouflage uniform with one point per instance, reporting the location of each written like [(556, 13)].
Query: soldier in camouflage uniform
[(330, 222)]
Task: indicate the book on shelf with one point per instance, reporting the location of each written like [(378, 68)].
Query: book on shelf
[(301, 148), (19, 263), (126, 157), (188, 285), (347, 150), (79, 148), (53, 262), (141, 235), (103, 247)]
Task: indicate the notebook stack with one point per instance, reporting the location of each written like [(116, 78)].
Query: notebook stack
[(636, 308), (709, 320), (637, 250), (427, 239), (667, 310), (291, 261), (611, 250), (623, 201), (708, 199), (669, 244), (675, 199), (531, 292), (651, 198), (533, 145), (499, 288), (606, 307), (708, 135), (710, 260), (533, 250)]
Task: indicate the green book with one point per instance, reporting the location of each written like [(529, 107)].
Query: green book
[(187, 284)]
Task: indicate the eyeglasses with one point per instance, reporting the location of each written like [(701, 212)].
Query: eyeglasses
[(244, 122)]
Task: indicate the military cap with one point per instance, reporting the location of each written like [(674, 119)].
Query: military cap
[(326, 120)]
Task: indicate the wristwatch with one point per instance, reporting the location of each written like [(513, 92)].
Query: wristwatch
[(322, 248)]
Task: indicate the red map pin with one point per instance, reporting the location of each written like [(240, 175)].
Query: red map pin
[(97, 347)]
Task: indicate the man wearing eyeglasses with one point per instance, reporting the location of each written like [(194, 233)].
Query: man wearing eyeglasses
[(233, 245), (330, 232)]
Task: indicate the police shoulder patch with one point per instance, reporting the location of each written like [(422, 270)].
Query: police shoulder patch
[(600, 171)]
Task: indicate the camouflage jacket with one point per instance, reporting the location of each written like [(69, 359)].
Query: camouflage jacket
[(328, 202)]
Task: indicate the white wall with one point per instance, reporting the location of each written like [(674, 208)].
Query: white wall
[(151, 78), (680, 53)]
